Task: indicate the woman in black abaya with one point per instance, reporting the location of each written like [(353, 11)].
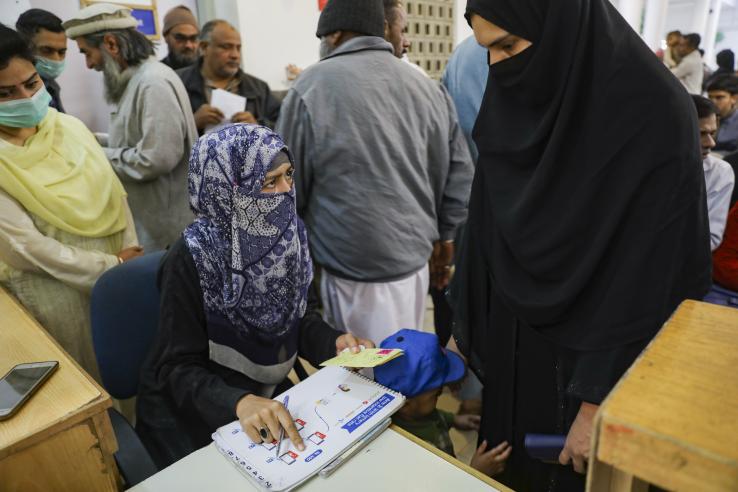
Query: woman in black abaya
[(587, 221)]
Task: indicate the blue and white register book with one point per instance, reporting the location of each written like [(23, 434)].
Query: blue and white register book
[(333, 409)]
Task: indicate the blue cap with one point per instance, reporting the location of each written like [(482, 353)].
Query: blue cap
[(424, 366)]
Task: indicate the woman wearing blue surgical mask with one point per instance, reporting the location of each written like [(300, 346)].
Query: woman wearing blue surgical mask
[(65, 218)]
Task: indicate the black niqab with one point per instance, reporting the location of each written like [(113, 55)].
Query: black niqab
[(587, 216)]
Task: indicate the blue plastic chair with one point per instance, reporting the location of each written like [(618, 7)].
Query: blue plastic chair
[(722, 296), (125, 317)]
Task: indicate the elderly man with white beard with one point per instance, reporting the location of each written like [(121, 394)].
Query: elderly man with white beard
[(151, 125)]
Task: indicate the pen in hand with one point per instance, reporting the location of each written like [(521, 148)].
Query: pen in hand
[(281, 432)]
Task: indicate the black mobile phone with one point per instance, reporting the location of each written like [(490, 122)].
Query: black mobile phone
[(17, 386)]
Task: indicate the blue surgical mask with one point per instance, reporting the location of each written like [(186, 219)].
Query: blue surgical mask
[(25, 113), (49, 69)]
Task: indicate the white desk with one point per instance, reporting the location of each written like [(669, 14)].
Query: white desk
[(391, 462)]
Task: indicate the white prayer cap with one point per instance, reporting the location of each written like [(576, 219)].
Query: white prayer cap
[(99, 17)]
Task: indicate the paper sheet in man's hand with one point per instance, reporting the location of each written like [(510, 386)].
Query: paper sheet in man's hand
[(228, 103), (369, 357)]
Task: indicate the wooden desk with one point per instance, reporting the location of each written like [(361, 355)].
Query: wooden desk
[(393, 461), (62, 438), (672, 420)]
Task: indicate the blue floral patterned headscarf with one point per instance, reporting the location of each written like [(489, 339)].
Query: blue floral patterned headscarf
[(250, 248)]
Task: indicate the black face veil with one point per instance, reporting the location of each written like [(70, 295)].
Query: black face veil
[(587, 216)]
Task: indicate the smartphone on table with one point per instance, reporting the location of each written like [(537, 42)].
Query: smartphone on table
[(17, 386)]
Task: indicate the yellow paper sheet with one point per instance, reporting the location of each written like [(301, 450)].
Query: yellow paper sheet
[(370, 357)]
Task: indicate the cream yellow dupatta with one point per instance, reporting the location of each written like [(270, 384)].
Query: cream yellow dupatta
[(62, 175)]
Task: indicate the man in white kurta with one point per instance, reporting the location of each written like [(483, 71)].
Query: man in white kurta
[(382, 173), (719, 176), (719, 182), (690, 71)]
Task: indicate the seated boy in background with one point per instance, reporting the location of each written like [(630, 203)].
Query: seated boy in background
[(420, 374)]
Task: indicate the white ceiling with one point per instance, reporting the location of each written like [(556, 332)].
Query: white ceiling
[(681, 12), (728, 14)]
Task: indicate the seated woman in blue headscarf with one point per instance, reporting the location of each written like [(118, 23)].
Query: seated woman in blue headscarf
[(236, 302)]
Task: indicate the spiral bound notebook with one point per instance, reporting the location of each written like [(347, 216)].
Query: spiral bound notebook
[(333, 409)]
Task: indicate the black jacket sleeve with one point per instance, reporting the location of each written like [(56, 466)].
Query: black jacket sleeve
[(317, 338), (596, 373), (183, 367), (271, 109)]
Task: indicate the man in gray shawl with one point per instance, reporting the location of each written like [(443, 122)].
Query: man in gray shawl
[(382, 173), (151, 125)]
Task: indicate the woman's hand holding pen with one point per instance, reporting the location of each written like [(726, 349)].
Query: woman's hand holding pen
[(262, 419)]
